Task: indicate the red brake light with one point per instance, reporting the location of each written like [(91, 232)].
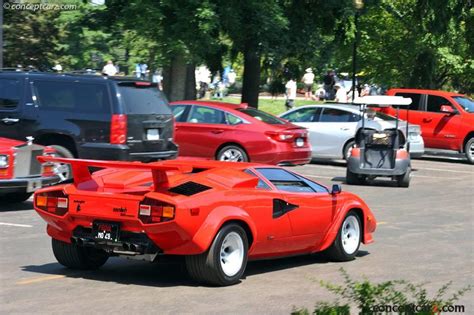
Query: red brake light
[(55, 202), (118, 129), (281, 135), (155, 211), (142, 83)]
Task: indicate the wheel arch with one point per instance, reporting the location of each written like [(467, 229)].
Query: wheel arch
[(231, 143), (58, 139), (466, 139)]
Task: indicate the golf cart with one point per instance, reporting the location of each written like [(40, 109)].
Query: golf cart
[(379, 152)]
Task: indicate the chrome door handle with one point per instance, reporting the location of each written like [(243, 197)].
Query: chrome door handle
[(10, 120)]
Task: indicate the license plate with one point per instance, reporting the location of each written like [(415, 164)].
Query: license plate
[(106, 231), (152, 134), (33, 185)]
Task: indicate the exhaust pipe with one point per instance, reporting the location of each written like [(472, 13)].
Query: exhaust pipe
[(125, 246), (133, 248)]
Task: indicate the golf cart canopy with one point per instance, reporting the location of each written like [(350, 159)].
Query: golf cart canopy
[(382, 101)]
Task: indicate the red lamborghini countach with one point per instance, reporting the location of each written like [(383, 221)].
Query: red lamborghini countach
[(216, 214)]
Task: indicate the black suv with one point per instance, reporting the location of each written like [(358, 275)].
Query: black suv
[(87, 116)]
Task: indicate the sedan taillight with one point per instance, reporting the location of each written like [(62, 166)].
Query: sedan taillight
[(55, 202)]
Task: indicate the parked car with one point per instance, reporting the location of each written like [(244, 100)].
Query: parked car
[(239, 133), (446, 119), (87, 116), (215, 214), (21, 173), (332, 128)]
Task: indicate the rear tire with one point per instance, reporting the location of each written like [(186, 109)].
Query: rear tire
[(225, 261), (76, 257), (64, 169), (16, 197), (232, 153), (347, 242), (404, 180), (353, 178), (469, 150), (347, 149)]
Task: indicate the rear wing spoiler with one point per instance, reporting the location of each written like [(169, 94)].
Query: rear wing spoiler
[(83, 179)]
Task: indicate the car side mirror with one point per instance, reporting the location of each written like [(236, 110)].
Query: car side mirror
[(447, 109), (336, 189)]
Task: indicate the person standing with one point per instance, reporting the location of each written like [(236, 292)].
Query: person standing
[(341, 93), (329, 82), (109, 69), (308, 80), (290, 94)]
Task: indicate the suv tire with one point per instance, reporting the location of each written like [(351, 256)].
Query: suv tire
[(64, 169)]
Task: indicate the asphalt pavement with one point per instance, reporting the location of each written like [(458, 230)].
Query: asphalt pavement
[(424, 235)]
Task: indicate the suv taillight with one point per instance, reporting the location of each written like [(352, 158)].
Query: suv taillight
[(118, 129), (155, 211), (55, 202)]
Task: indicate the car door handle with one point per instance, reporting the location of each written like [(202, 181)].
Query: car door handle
[(427, 119), (217, 131), (344, 128), (10, 121)]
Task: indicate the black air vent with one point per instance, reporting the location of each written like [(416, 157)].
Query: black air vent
[(189, 189)]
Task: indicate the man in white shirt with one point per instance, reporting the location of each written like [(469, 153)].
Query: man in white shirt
[(341, 93), (290, 94), (308, 80), (109, 69)]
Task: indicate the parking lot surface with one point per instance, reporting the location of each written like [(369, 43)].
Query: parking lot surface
[(424, 235)]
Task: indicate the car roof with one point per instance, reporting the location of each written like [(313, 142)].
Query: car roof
[(424, 91), (220, 105), (344, 106), (74, 75)]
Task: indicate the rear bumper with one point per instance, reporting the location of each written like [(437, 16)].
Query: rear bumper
[(26, 185), (123, 152), (401, 165)]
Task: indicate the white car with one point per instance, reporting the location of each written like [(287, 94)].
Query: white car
[(332, 128)]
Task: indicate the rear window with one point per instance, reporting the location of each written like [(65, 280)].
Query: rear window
[(262, 116), (72, 96), (143, 99), (9, 93)]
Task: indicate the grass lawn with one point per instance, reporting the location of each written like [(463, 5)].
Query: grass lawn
[(272, 106)]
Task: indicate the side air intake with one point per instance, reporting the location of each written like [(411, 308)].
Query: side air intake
[(189, 189)]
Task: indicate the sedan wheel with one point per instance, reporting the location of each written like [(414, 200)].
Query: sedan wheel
[(469, 149), (232, 154)]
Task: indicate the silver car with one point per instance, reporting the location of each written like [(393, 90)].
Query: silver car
[(332, 128)]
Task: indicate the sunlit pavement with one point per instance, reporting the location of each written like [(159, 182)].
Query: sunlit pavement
[(425, 235)]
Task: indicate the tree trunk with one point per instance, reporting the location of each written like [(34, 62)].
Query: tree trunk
[(251, 80), (179, 82)]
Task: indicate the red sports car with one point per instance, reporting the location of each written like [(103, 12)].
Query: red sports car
[(20, 173), (216, 214), (237, 133)]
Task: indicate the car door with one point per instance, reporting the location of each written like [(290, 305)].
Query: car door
[(204, 130), (309, 206), (440, 129), (307, 117), (334, 128), (11, 101), (414, 114)]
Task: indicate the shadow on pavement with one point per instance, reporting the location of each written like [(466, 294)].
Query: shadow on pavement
[(168, 274), (19, 206)]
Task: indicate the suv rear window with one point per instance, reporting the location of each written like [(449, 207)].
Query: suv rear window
[(146, 99), (9, 93), (72, 96), (262, 116)]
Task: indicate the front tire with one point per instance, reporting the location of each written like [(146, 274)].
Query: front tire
[(225, 261), (347, 242), (469, 150), (232, 153), (76, 257)]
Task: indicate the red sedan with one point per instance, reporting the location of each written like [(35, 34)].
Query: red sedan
[(237, 133), (215, 214)]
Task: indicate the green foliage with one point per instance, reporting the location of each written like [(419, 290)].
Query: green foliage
[(367, 296)]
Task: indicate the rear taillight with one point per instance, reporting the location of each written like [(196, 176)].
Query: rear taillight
[(284, 136), (118, 129), (155, 211), (55, 202)]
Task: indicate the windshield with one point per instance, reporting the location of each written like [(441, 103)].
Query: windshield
[(466, 103), (262, 116)]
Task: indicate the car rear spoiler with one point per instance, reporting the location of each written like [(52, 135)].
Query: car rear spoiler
[(82, 177)]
